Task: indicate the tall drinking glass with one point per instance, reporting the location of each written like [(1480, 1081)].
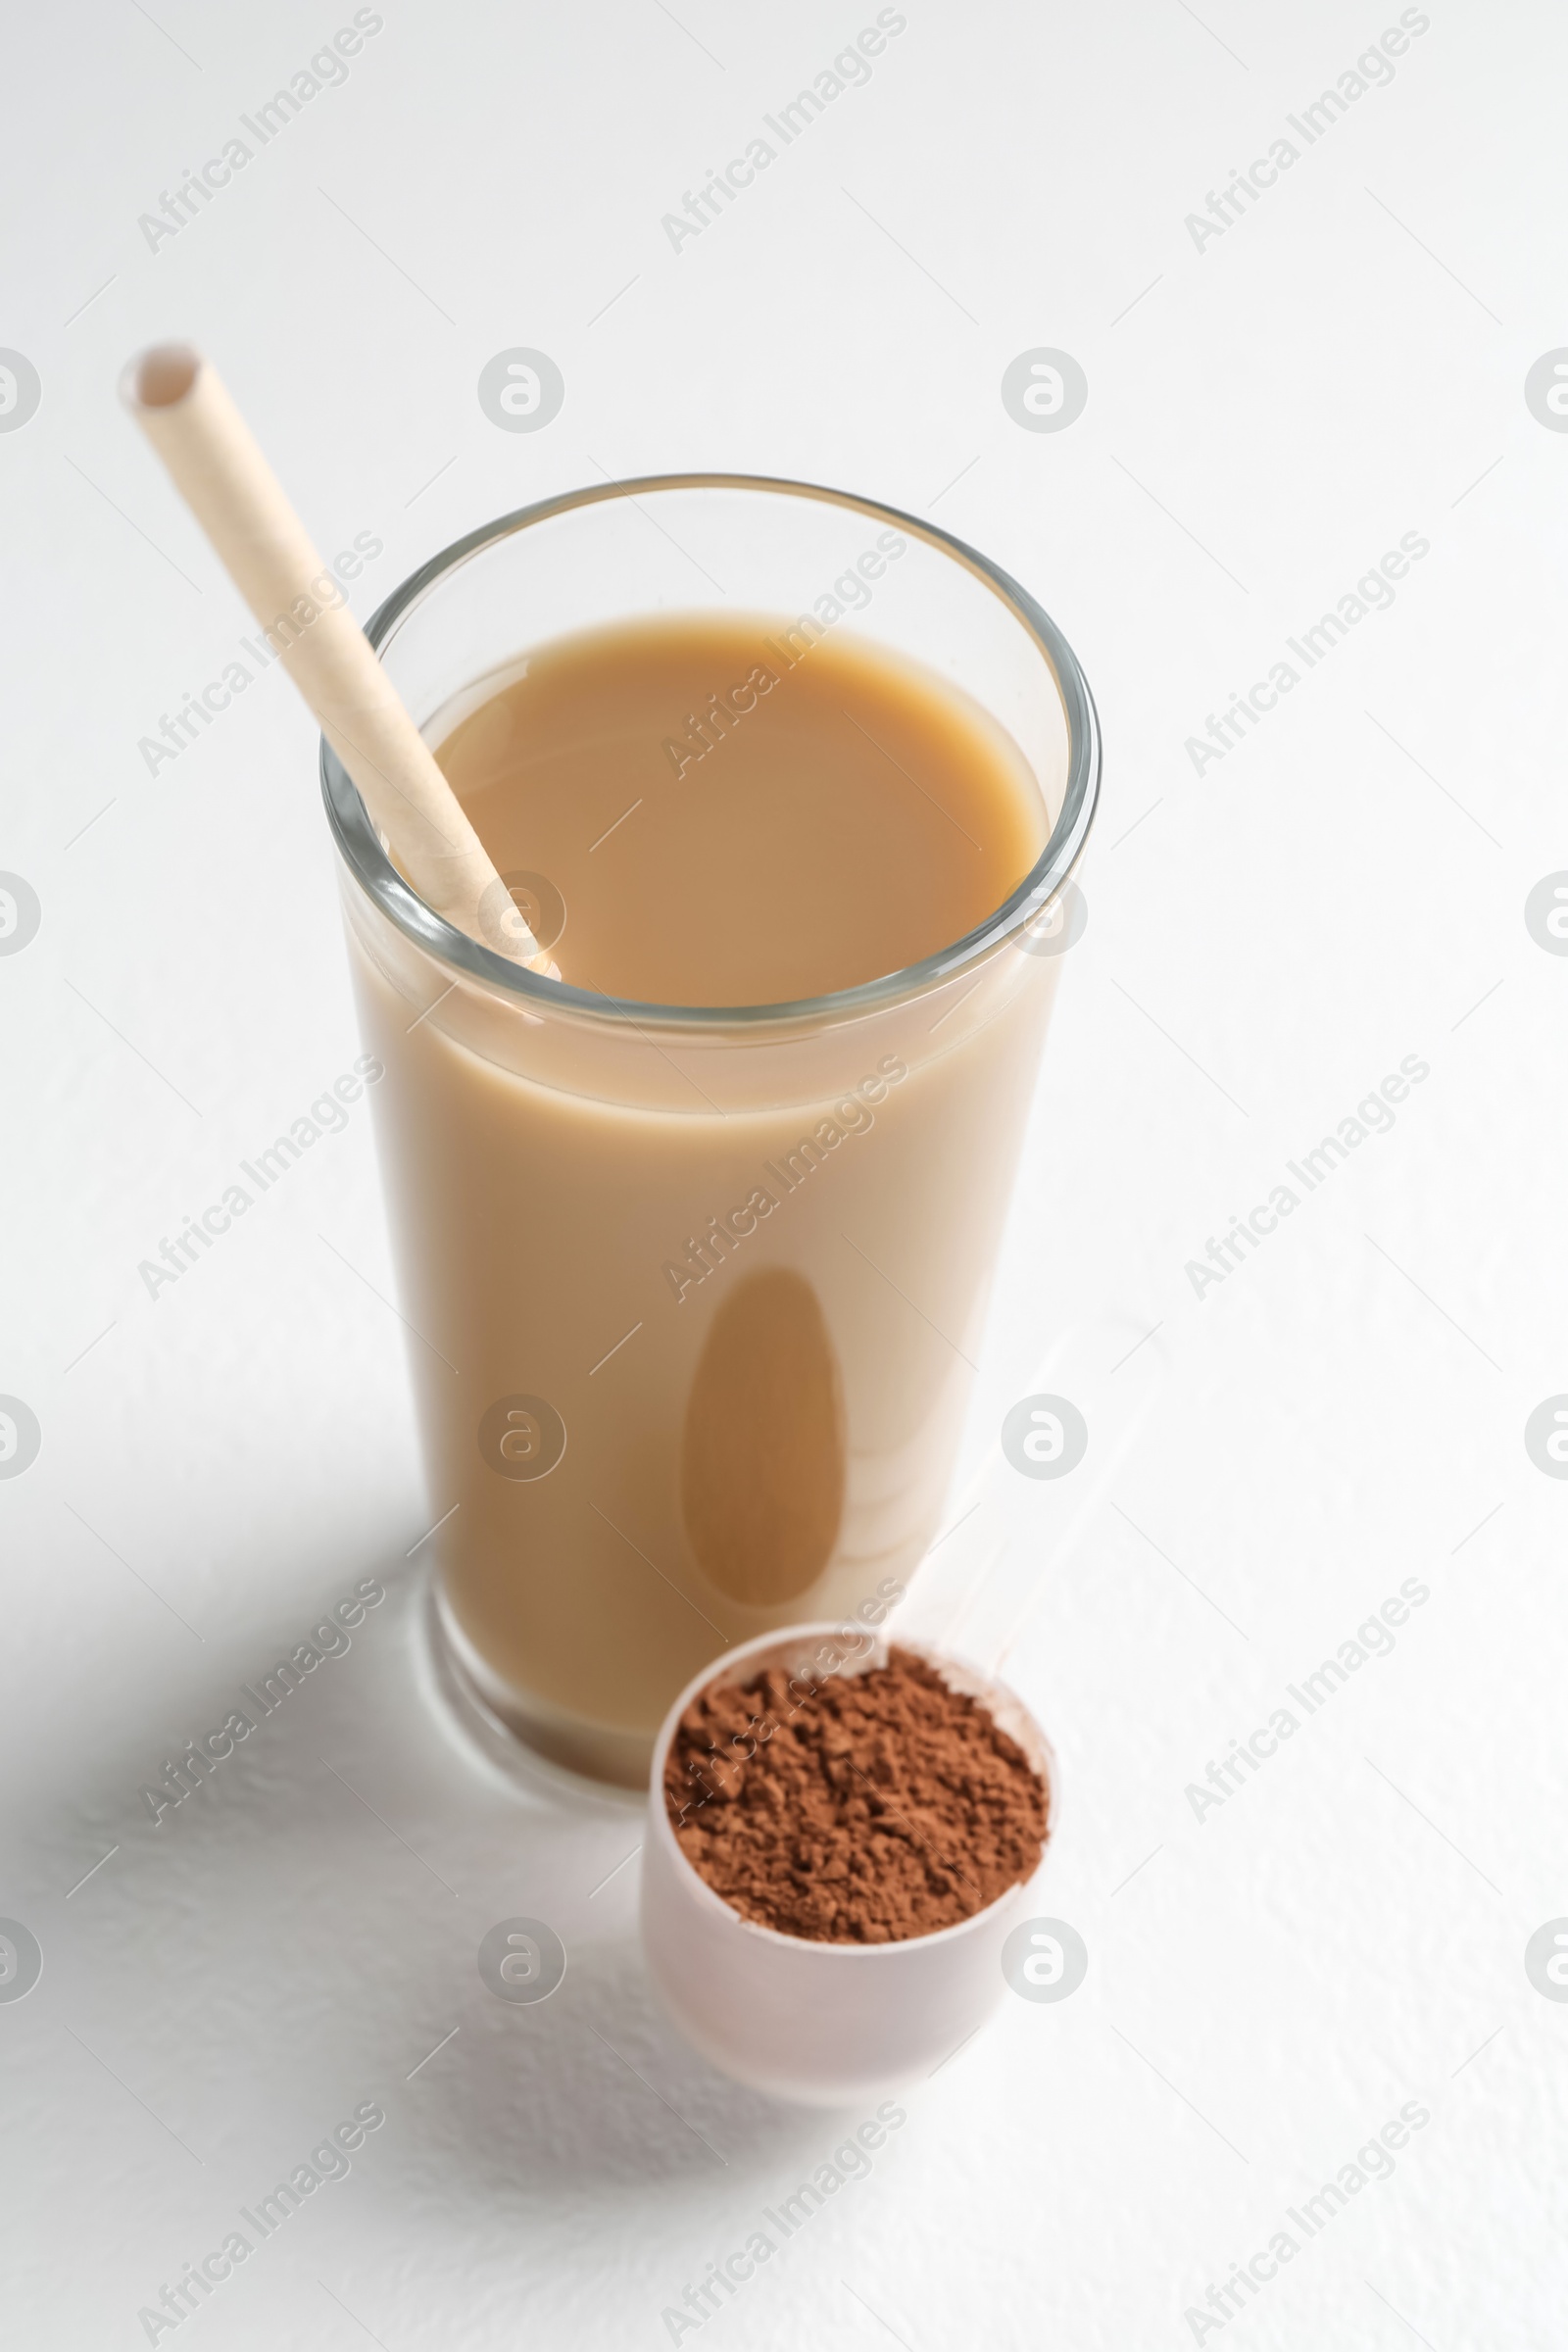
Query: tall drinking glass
[(696, 1291)]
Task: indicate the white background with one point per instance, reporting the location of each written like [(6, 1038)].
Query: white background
[(1266, 416)]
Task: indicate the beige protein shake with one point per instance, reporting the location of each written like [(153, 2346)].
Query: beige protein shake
[(698, 1288)]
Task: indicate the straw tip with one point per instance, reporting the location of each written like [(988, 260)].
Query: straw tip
[(161, 376)]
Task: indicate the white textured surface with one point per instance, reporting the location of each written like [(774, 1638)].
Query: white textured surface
[(1347, 1930)]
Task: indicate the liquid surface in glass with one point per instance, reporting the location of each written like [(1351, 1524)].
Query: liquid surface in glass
[(731, 814)]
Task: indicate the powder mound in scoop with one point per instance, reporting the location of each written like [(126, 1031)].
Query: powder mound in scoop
[(860, 1808)]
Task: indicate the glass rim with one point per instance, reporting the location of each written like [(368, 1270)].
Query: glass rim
[(362, 852)]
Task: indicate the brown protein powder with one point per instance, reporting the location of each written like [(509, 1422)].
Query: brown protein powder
[(853, 1808)]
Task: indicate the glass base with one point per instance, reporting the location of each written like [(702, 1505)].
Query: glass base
[(502, 1719)]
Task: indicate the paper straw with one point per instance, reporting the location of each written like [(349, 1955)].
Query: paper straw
[(180, 404)]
